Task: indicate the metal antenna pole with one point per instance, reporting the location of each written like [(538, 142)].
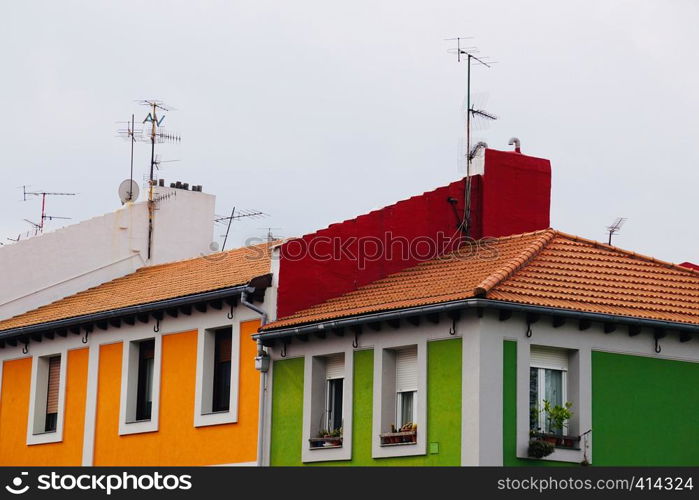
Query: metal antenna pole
[(230, 220), (151, 207), (43, 212), (465, 225), (467, 207), (133, 139), (40, 226)]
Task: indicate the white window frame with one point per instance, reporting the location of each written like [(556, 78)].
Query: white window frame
[(327, 401), (541, 391), (311, 379), (206, 342), (385, 396), (399, 406), (37, 399), (129, 386)]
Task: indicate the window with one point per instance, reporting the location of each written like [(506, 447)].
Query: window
[(144, 398), (406, 387), (327, 406), (53, 384), (547, 382), (140, 385), (334, 374), (45, 424), (221, 393), (218, 360), (400, 396)]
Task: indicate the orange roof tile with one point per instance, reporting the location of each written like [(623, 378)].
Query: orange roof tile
[(545, 268), (156, 283)]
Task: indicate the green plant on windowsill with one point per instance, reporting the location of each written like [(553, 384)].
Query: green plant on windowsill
[(557, 416), (328, 438)]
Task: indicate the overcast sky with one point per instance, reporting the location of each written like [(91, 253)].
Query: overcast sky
[(318, 111)]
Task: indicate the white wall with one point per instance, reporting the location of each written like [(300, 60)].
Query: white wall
[(45, 268)]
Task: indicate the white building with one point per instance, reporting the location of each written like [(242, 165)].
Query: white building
[(59, 263)]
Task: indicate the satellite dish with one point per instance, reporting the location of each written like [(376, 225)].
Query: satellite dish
[(128, 191)]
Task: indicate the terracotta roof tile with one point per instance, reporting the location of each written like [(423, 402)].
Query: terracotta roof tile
[(545, 268), (155, 283)]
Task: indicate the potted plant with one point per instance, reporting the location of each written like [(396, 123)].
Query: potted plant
[(540, 448), (334, 437), (411, 428), (327, 438), (558, 417)]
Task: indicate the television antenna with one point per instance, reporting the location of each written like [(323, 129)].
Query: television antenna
[(157, 135), (228, 220), (132, 134), (616, 227), (468, 53), (39, 227)]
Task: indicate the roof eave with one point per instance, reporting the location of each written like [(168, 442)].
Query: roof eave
[(259, 283), (471, 303)]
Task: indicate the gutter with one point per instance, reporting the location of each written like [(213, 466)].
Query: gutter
[(473, 303)]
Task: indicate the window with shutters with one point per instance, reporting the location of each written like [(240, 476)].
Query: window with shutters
[(54, 378), (46, 405), (400, 395), (327, 407), (406, 387), (217, 369), (548, 379)]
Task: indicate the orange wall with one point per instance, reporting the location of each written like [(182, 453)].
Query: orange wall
[(177, 441), (14, 412)]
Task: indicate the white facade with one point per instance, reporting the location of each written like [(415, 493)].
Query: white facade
[(45, 268)]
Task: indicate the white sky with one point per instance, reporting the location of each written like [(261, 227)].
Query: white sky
[(318, 111)]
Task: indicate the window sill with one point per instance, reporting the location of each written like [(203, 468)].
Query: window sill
[(217, 412), (325, 443), (215, 418), (398, 438), (559, 441), (44, 433), (45, 438), (137, 427)]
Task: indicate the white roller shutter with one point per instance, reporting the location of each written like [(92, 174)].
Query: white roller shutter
[(335, 366), (406, 369), (548, 357)]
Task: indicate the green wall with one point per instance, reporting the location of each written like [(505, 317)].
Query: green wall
[(645, 411), (287, 416), (443, 409)]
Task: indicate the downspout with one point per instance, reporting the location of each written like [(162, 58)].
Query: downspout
[(261, 364)]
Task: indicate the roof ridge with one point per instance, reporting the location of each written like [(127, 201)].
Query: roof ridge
[(203, 256), (515, 263), (648, 258)]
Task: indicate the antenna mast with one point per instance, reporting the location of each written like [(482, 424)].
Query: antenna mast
[(156, 135), (468, 53), (132, 135), (242, 214), (40, 226), (616, 227)]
